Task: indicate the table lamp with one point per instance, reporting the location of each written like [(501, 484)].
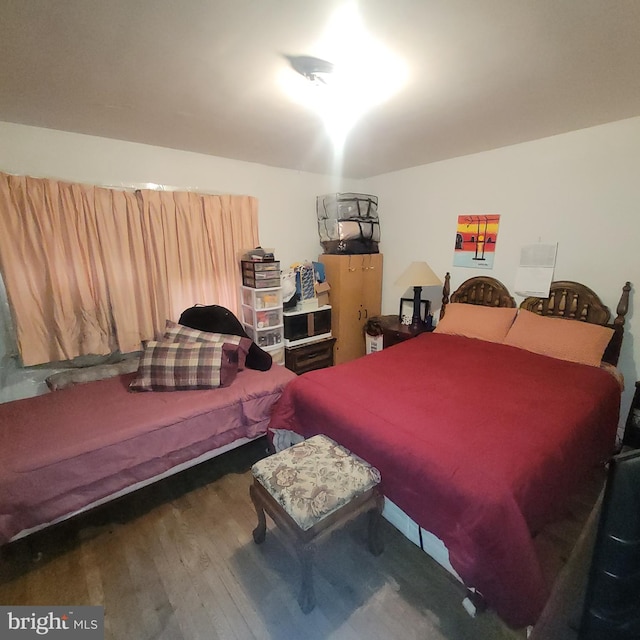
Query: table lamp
[(418, 275)]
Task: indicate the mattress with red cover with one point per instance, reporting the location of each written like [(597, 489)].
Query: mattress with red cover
[(62, 451), (479, 443)]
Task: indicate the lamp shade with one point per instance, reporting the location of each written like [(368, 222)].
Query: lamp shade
[(418, 274)]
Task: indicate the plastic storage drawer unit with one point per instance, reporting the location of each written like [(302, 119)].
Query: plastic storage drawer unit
[(262, 298), (260, 275), (262, 319), (269, 337)]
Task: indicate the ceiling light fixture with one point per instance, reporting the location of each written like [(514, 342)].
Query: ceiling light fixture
[(313, 69), (362, 74)]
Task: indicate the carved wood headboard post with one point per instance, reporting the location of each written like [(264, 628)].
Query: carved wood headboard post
[(445, 293), (612, 352), (623, 305)]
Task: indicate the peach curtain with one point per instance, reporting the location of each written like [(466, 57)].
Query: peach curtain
[(193, 249), (90, 270)]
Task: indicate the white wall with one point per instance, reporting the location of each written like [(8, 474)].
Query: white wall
[(287, 216), (580, 189)]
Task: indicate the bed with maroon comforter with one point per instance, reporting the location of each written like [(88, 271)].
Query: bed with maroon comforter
[(63, 452), (480, 443)]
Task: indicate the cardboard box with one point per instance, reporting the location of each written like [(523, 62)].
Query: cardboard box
[(322, 293)]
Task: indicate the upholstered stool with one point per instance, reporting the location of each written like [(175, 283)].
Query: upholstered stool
[(311, 489)]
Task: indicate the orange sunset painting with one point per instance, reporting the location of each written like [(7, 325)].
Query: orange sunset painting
[(476, 237)]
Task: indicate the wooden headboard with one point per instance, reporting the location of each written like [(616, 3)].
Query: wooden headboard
[(567, 299), (484, 291), (575, 301), (481, 290)]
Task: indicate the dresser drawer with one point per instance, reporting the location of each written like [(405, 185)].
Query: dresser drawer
[(314, 355)]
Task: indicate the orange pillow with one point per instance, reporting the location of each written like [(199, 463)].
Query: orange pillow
[(475, 321), (571, 340)]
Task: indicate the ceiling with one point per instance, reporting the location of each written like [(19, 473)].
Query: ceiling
[(201, 75)]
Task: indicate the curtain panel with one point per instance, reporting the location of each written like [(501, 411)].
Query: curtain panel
[(90, 270)]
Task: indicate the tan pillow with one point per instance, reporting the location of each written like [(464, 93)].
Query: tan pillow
[(571, 340), (475, 321)]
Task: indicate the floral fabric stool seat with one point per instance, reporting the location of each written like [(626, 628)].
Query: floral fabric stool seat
[(311, 489)]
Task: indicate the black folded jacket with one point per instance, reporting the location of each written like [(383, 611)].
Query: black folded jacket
[(217, 319)]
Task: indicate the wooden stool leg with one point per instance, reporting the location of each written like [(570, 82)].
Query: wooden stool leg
[(307, 598), (260, 532), (376, 544)]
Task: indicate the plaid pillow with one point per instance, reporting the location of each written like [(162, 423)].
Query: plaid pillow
[(175, 332), (175, 366)]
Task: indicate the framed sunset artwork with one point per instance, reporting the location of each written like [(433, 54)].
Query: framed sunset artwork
[(476, 237)]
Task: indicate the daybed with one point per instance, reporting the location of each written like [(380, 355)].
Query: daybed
[(480, 442), (66, 451)]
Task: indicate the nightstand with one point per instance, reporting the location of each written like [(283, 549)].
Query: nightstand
[(310, 356), (393, 331), (632, 428)]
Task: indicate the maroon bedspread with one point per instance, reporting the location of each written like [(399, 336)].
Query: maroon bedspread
[(62, 451), (479, 443)]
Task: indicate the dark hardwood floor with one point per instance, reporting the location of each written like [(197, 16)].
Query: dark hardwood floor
[(177, 561)]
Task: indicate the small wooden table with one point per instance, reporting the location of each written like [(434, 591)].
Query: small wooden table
[(311, 489), (393, 331)]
